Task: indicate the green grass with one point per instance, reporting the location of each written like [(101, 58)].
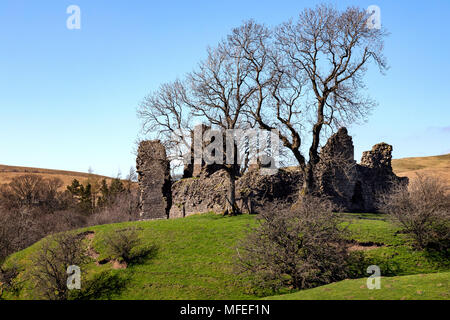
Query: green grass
[(195, 258), (434, 286), (395, 256)]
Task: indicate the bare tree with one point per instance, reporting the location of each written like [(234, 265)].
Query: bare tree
[(422, 209), (224, 85), (304, 78), (317, 69), (166, 115), (57, 253)]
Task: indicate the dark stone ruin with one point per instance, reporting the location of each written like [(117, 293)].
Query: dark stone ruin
[(350, 186), (155, 183)]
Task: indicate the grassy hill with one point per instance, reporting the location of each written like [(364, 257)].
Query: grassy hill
[(194, 259), (433, 286), (438, 166), (7, 173)]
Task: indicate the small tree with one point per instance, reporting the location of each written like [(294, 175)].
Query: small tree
[(298, 248), (83, 196), (422, 210), (122, 242), (57, 253), (8, 278)]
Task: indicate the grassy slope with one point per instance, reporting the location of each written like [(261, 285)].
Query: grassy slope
[(433, 286), (7, 173), (195, 257), (193, 260)]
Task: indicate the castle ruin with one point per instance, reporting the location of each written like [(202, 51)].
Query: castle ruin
[(349, 185)]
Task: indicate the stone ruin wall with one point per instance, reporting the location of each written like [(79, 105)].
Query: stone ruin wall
[(155, 184), (350, 186)]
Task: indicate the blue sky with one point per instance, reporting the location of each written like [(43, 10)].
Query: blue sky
[(68, 98)]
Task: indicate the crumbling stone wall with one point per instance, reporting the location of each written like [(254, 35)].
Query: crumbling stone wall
[(375, 175), (336, 171), (153, 170), (351, 186), (253, 192)]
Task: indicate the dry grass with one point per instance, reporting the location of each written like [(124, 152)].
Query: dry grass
[(437, 166), (7, 173)]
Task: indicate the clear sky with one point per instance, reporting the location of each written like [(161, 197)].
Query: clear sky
[(68, 98)]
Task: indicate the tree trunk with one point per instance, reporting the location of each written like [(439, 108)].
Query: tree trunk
[(308, 180), (233, 171)]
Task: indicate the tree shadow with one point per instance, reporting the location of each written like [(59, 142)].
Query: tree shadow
[(103, 286), (144, 254)]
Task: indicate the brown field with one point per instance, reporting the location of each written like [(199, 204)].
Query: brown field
[(437, 166), (9, 172)]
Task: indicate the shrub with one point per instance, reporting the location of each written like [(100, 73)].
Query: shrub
[(8, 278), (121, 243), (299, 248), (422, 210), (50, 263)]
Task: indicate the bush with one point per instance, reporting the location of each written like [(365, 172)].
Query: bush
[(298, 248), (50, 263), (122, 243), (422, 210), (8, 278)]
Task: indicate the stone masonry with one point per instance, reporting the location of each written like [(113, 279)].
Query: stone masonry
[(155, 184), (350, 186)]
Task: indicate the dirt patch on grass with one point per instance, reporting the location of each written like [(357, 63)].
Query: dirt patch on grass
[(89, 236), (116, 264), (364, 246)]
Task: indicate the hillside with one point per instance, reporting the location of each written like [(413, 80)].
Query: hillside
[(193, 258), (7, 173), (434, 286), (438, 166)]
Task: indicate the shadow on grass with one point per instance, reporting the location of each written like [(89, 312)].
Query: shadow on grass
[(438, 255), (103, 286), (143, 255), (107, 284)]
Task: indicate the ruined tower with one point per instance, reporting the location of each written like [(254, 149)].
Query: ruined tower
[(155, 184)]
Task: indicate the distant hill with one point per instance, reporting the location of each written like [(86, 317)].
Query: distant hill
[(7, 173), (438, 166)]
